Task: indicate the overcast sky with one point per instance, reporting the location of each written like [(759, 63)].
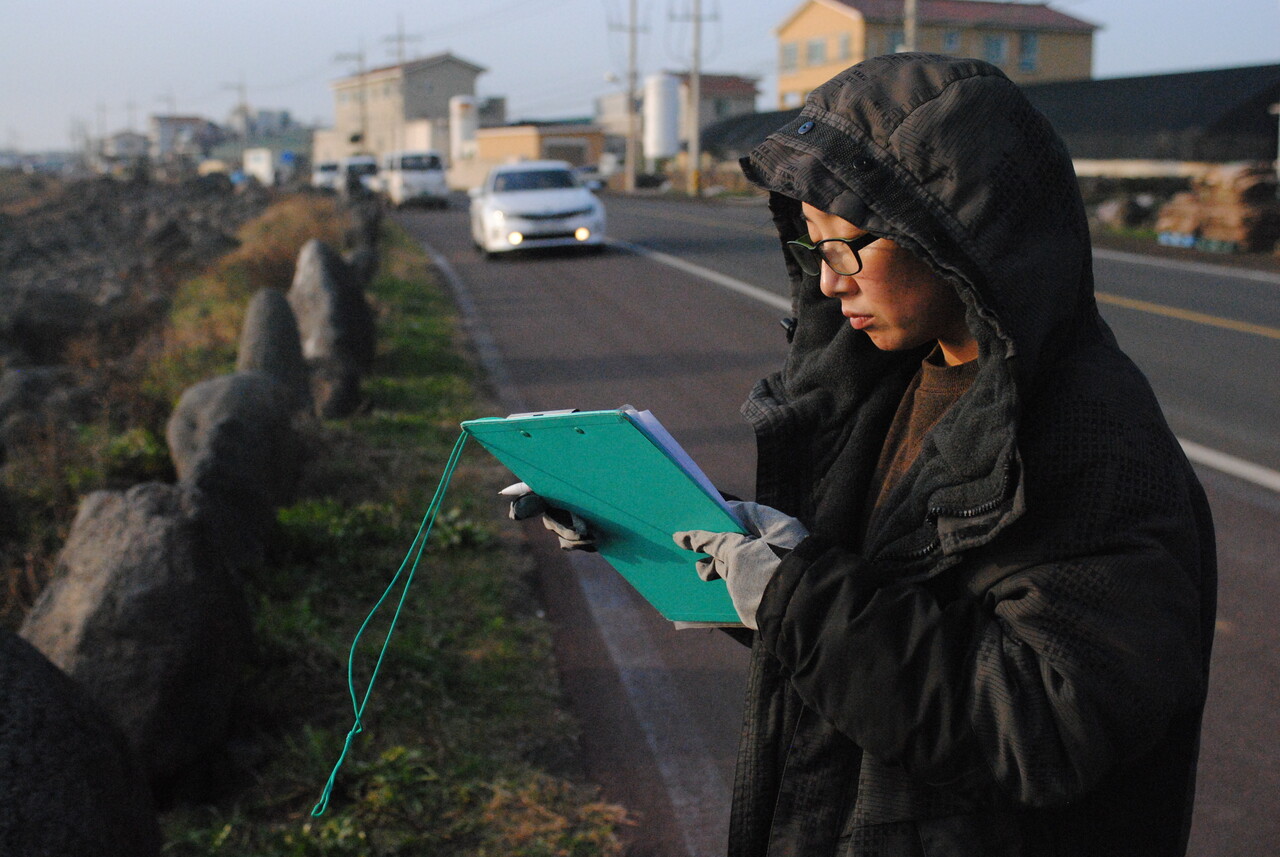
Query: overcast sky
[(105, 64)]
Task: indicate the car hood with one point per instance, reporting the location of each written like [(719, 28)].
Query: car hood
[(542, 201)]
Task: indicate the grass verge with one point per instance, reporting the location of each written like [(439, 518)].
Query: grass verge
[(466, 750)]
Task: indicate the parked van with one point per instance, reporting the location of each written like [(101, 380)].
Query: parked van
[(324, 175), (409, 177)]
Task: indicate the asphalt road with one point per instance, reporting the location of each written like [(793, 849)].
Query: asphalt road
[(681, 317)]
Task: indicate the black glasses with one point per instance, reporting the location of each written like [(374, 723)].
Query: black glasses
[(840, 254)]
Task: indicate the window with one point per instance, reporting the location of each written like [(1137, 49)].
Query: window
[(995, 49), (1028, 52), (845, 46), (894, 41), (815, 52), (420, 162), (790, 59), (534, 180), (951, 42)]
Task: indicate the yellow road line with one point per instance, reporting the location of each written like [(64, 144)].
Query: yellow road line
[(1189, 315)]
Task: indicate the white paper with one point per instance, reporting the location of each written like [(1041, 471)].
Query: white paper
[(658, 433)]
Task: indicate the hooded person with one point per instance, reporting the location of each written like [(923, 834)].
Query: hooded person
[(983, 574)]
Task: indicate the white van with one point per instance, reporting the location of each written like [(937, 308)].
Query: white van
[(418, 176)]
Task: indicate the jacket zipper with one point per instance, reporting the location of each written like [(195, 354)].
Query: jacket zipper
[(936, 512)]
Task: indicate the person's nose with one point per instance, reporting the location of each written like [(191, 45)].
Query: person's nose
[(834, 285)]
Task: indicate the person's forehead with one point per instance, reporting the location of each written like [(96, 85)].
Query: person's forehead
[(830, 222)]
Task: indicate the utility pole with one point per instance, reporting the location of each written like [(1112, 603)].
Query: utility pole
[(243, 106), (694, 109), (400, 39), (358, 58), (632, 155), (909, 40), (102, 130), (1274, 110), (695, 104)]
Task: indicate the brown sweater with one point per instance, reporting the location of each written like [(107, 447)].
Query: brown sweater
[(935, 388)]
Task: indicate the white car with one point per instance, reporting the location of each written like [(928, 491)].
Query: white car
[(407, 177), (325, 176), (535, 204)]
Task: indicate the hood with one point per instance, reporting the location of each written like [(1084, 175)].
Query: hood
[(556, 201), (946, 157)]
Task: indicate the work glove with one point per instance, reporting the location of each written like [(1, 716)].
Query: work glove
[(746, 562), (573, 532)]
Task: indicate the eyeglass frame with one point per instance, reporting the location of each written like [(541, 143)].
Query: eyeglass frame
[(854, 244)]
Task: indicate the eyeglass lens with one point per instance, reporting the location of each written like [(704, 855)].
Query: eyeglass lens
[(840, 256)]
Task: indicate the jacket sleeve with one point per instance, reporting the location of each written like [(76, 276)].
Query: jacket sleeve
[(1033, 679)]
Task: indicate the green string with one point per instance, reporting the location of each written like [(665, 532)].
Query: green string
[(410, 562)]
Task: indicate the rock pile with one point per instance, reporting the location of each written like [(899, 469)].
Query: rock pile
[(97, 264), (146, 625), (101, 257)]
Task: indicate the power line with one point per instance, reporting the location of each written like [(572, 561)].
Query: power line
[(400, 39)]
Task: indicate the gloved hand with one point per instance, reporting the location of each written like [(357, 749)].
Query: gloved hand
[(746, 562), (573, 532)]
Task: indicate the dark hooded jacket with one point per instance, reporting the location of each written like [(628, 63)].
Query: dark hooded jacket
[(1013, 660)]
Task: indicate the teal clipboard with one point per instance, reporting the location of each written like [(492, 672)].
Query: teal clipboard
[(606, 468)]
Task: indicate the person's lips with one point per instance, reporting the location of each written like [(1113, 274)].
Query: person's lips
[(858, 321)]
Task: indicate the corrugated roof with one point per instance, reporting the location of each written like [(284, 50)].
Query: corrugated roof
[(973, 13), (1214, 115), (1218, 115)]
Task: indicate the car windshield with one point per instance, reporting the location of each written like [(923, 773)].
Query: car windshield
[(327, 168), (420, 162), (533, 180)]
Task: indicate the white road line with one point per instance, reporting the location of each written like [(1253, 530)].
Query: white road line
[(698, 793), (1229, 464), (1186, 265), (762, 295), (1221, 461)]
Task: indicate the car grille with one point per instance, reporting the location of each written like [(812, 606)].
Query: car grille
[(547, 236), (556, 215)]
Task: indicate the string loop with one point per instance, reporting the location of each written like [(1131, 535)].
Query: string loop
[(410, 563)]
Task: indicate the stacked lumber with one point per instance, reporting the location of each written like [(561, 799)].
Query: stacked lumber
[(1231, 208)]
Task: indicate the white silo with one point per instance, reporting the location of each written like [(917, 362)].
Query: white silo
[(661, 116), (464, 121)]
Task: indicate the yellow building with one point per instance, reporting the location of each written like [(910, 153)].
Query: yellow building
[(579, 144), (1029, 41)]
